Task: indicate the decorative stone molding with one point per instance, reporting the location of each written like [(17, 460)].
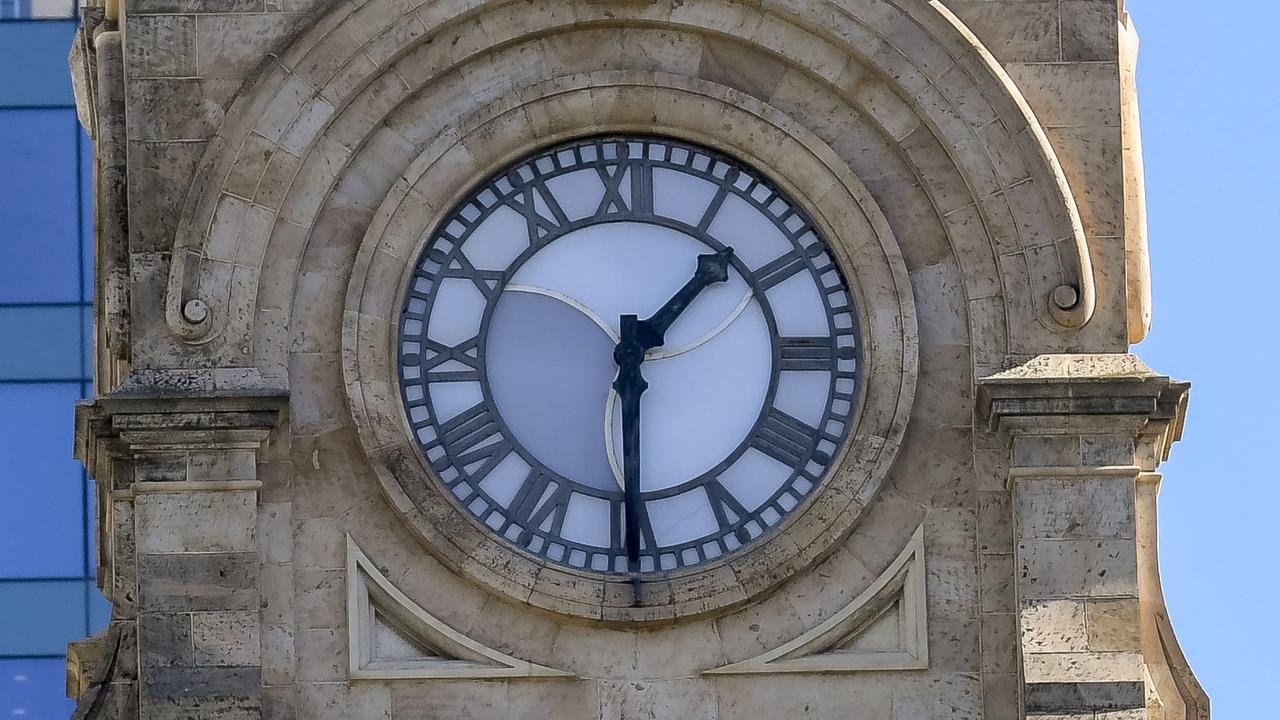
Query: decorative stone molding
[(418, 645), (909, 67), (884, 628), (1065, 394), (480, 143), (1086, 432)]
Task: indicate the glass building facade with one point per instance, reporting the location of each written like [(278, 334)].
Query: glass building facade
[(48, 596)]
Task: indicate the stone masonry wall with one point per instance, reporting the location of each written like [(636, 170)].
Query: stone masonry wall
[(282, 157)]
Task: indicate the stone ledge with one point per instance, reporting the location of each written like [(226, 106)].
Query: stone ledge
[(1063, 391), (118, 424)]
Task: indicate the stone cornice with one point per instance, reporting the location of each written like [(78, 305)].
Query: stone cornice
[(1067, 393), (122, 424)]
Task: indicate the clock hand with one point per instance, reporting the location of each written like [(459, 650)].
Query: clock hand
[(663, 353), (712, 268), (630, 384), (636, 337)]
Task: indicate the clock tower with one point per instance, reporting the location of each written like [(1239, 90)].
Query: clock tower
[(623, 359)]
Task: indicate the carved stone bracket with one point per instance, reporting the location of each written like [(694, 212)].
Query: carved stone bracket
[(1085, 432)]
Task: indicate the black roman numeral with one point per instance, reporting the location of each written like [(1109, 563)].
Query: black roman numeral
[(488, 281), (438, 354), (642, 188), (713, 209), (728, 511), (780, 269), (786, 439), (612, 176), (540, 498), (806, 353), (524, 201), (470, 431)]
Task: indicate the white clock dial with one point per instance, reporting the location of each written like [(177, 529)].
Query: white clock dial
[(637, 445)]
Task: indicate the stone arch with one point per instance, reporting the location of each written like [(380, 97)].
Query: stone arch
[(310, 147)]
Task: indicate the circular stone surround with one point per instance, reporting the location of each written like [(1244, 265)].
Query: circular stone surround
[(476, 422), (701, 113)]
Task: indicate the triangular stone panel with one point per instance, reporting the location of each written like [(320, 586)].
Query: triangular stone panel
[(393, 637), (884, 628)]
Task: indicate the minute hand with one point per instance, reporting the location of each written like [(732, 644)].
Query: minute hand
[(712, 268)]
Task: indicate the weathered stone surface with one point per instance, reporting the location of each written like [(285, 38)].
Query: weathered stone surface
[(286, 159)]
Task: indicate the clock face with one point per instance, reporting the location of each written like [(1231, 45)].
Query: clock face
[(628, 355)]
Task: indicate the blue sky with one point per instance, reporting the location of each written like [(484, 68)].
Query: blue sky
[(1208, 83)]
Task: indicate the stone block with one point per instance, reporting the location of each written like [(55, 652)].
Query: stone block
[(995, 522), (952, 588), (229, 639), (1082, 667), (1070, 94), (1075, 508), (1106, 450), (279, 657), (320, 599), (1053, 626), (572, 700), (159, 173), (324, 701), (1046, 451), (685, 699), (997, 583), (168, 109), (230, 45), (1000, 697), (197, 522), (164, 640), (1014, 30), (322, 655), (952, 643), (222, 464), (1067, 568), (201, 694), (1114, 624), (957, 695), (206, 581), (832, 696), (161, 46), (275, 532), (446, 699), (1092, 158), (279, 702), (1089, 30)]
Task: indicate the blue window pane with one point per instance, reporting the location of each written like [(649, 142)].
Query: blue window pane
[(41, 617), (41, 343), (42, 484), (39, 205), (34, 689), (34, 55), (99, 610), (86, 214), (86, 339)]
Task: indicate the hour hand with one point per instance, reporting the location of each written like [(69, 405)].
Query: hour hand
[(712, 268)]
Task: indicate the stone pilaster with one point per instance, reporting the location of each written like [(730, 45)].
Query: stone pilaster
[(1082, 430), (178, 491)]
